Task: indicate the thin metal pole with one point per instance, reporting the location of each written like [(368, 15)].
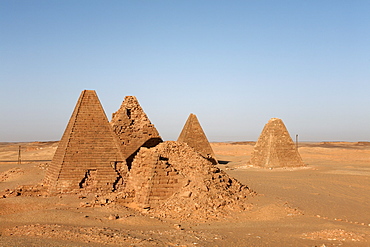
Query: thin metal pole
[(19, 155), (296, 141)]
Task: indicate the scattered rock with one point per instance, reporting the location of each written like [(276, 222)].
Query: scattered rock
[(113, 217), (109, 236), (10, 173), (334, 235)]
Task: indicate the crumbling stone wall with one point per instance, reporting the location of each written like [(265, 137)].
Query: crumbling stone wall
[(175, 181), (193, 135), (275, 147), (133, 128), (153, 178), (88, 156)]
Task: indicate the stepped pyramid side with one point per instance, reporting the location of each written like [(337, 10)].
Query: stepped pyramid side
[(88, 156), (133, 128), (275, 147), (153, 178), (193, 135)]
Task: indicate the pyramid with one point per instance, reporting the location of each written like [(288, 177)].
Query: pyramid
[(275, 147), (175, 181), (88, 156), (133, 128), (193, 135)]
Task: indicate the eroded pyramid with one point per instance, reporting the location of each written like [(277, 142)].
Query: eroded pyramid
[(275, 147), (88, 156), (175, 181), (193, 135), (133, 128)]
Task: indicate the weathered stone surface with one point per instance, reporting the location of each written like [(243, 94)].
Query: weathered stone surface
[(170, 179), (133, 128), (275, 147), (88, 156), (175, 181), (193, 135)]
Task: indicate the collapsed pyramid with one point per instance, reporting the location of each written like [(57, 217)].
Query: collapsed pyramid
[(172, 180), (88, 156), (275, 147), (193, 135), (133, 128)]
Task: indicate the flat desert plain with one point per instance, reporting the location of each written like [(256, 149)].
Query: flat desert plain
[(326, 203)]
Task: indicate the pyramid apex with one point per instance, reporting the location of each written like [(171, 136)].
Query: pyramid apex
[(88, 91), (275, 119), (131, 97)]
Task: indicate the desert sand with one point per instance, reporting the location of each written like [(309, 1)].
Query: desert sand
[(325, 203)]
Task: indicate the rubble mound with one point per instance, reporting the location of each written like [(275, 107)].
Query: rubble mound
[(172, 180)]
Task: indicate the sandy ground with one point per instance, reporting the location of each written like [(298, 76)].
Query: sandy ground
[(326, 203)]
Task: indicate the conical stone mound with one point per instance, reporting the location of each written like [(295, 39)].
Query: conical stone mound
[(174, 181), (133, 128), (88, 156), (193, 135), (275, 147)]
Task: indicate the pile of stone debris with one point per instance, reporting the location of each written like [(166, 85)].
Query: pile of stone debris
[(171, 180), (25, 190)]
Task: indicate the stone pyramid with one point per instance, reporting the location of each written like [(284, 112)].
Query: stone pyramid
[(175, 181), (275, 147), (193, 135), (133, 128), (88, 156)]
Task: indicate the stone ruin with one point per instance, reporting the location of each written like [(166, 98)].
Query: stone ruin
[(275, 147), (193, 135), (133, 128), (88, 156), (172, 180)]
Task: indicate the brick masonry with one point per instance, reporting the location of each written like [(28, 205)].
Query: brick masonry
[(172, 179), (153, 179), (88, 156), (275, 147)]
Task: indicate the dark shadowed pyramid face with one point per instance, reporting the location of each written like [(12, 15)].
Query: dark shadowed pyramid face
[(275, 147), (88, 156), (193, 135)]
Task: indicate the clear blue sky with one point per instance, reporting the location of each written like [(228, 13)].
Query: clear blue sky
[(235, 64)]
